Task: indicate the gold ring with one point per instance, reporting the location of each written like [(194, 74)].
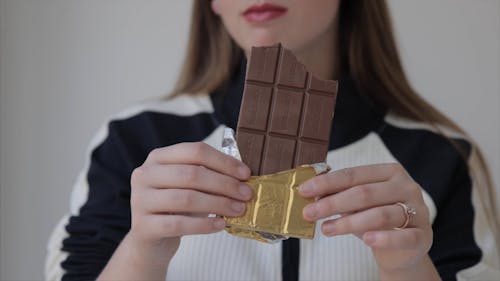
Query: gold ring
[(409, 214)]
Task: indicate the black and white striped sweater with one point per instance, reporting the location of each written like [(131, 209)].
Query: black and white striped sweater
[(84, 240)]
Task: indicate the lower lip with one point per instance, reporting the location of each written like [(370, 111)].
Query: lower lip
[(264, 16)]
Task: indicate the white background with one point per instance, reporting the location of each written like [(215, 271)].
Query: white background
[(68, 64)]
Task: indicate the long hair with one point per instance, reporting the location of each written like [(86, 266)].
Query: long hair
[(368, 52)]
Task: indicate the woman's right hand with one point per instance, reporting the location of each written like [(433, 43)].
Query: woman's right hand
[(174, 191)]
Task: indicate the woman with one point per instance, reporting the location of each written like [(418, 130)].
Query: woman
[(402, 185)]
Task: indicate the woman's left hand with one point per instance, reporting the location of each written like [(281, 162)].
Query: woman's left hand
[(367, 197)]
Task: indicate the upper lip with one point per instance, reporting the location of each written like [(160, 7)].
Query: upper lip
[(259, 8)]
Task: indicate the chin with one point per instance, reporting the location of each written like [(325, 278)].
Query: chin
[(265, 40), (261, 39)]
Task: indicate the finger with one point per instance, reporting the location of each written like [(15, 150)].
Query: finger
[(190, 201), (357, 198), (198, 153), (408, 238), (342, 179), (379, 218), (175, 225), (192, 177)]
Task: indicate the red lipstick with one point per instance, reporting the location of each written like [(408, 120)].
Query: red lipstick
[(263, 13)]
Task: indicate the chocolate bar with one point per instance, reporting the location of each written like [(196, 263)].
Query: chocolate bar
[(286, 113)]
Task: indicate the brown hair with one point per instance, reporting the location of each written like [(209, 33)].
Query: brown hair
[(368, 52)]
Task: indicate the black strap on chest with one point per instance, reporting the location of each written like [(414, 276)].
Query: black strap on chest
[(290, 258)]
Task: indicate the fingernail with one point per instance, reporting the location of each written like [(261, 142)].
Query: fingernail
[(311, 211), (238, 206), (329, 229), (219, 224), (306, 189), (369, 239), (243, 172), (245, 191)]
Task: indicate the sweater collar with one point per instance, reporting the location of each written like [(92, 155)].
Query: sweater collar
[(355, 114)]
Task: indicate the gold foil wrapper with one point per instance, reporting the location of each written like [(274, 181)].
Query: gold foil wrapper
[(275, 212)]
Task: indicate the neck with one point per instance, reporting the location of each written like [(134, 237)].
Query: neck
[(319, 56)]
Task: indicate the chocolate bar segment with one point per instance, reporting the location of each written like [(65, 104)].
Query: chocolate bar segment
[(286, 113)]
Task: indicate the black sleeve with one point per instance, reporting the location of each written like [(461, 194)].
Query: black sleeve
[(454, 247), (104, 219), (443, 173)]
